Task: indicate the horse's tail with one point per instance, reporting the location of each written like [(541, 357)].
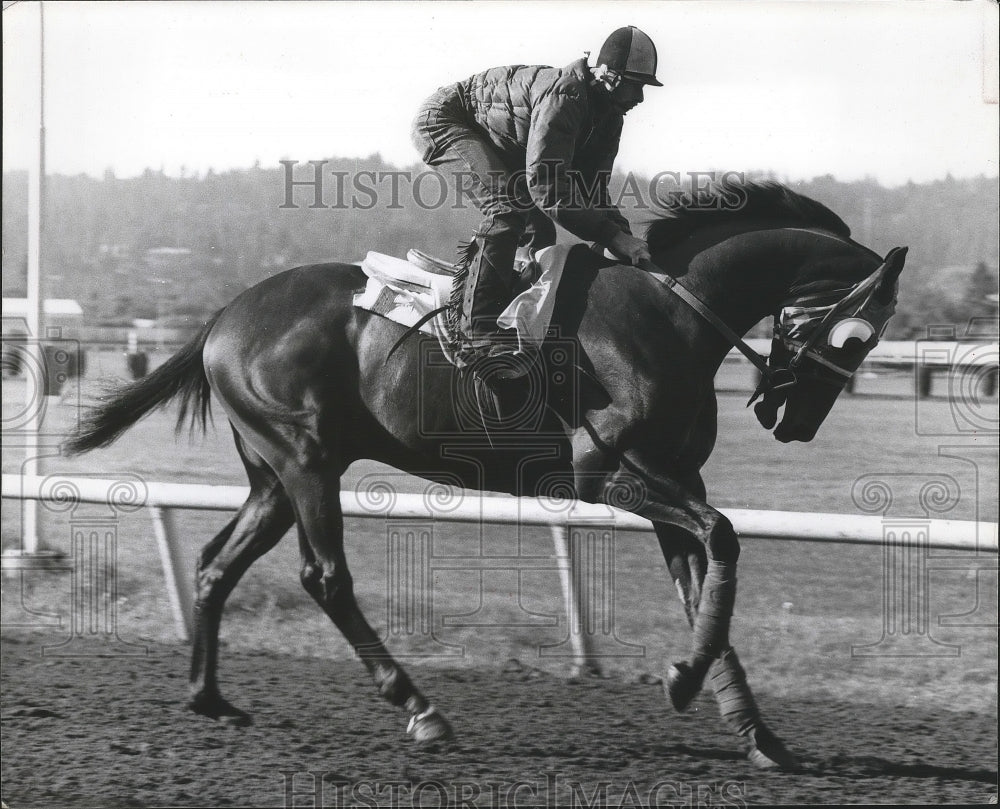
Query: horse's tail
[(182, 375)]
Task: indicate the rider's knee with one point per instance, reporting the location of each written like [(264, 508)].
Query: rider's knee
[(540, 231), (502, 221), (429, 120)]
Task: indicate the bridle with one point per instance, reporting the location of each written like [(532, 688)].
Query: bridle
[(802, 323), (856, 312)]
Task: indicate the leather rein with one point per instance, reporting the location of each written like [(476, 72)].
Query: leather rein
[(702, 309), (775, 379)]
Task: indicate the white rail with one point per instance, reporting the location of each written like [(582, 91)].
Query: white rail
[(787, 525), (937, 354), (457, 506)]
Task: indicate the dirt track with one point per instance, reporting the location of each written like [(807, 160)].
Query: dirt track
[(113, 732)]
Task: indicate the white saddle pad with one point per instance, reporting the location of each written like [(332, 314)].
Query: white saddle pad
[(405, 293)]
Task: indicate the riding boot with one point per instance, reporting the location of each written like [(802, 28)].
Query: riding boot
[(489, 285), (491, 354)]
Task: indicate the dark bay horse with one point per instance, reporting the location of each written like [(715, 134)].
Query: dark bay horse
[(621, 410)]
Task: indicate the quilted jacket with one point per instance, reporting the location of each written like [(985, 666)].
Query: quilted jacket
[(548, 119)]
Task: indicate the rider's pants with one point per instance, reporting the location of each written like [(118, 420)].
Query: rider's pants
[(459, 150)]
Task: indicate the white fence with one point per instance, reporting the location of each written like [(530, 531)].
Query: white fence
[(937, 354), (561, 516), (979, 360)]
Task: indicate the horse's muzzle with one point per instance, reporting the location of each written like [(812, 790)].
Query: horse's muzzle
[(786, 433)]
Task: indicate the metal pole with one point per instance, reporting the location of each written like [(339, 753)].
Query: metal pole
[(180, 591), (34, 359), (583, 661)]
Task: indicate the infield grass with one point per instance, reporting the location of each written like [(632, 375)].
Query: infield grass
[(801, 606)]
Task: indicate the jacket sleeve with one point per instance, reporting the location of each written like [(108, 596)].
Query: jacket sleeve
[(555, 126), (605, 165)]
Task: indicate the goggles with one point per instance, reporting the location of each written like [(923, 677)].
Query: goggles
[(608, 77)]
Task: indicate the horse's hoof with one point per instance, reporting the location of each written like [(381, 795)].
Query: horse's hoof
[(220, 710), (681, 686), (236, 718), (429, 726), (767, 752)]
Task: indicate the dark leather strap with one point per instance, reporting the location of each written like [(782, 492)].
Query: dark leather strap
[(702, 309)]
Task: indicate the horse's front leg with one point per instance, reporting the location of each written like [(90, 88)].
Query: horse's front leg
[(712, 616), (686, 559), (662, 499)]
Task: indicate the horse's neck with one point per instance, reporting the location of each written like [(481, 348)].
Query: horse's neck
[(742, 275)]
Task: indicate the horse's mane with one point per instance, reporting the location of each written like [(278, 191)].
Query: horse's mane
[(731, 201)]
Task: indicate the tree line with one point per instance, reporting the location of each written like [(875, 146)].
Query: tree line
[(177, 248)]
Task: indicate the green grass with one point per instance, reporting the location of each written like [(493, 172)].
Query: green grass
[(800, 606)]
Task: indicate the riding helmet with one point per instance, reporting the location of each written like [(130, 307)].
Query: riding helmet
[(631, 53)]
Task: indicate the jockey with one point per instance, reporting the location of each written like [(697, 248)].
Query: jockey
[(533, 147)]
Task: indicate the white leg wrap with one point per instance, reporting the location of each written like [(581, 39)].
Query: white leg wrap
[(736, 703), (718, 595)]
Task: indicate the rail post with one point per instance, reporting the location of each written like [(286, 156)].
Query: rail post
[(180, 588), (989, 384), (585, 554), (924, 381), (583, 658)]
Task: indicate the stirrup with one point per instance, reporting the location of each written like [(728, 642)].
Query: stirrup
[(469, 353), (503, 363), (494, 359)]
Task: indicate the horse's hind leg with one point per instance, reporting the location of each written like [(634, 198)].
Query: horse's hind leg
[(687, 561), (327, 579), (261, 522)]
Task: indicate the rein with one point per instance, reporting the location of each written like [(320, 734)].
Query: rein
[(771, 379)]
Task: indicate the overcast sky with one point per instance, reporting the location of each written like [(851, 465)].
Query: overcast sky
[(885, 89)]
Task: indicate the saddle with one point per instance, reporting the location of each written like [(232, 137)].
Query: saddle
[(415, 292), (527, 265)]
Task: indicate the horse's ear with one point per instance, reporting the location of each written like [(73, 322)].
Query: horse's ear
[(894, 261)]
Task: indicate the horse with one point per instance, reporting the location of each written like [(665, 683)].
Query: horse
[(620, 409)]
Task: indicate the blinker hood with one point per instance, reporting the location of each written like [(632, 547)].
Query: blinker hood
[(872, 300)]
